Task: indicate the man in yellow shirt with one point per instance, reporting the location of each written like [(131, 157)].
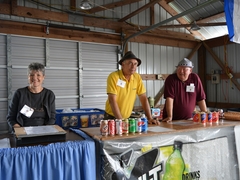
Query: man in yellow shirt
[(122, 88)]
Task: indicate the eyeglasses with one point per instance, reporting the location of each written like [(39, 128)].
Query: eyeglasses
[(130, 63), (184, 68)]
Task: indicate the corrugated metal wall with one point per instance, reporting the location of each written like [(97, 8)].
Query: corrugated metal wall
[(225, 91), (76, 72), (3, 82), (63, 62), (97, 63)]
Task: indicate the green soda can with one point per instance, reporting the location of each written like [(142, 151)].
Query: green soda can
[(132, 125)]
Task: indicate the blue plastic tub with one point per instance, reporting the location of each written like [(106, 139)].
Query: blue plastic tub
[(79, 118)]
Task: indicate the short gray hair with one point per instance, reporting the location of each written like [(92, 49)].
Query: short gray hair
[(36, 67)]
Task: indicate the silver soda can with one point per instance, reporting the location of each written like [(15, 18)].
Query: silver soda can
[(125, 125), (104, 127), (118, 126), (221, 114)]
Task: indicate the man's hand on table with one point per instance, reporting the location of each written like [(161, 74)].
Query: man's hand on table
[(167, 119), (153, 121)]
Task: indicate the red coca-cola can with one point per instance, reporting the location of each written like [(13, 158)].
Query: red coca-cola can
[(118, 126), (125, 125), (111, 127), (104, 127)]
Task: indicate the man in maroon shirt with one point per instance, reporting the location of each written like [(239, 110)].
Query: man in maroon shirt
[(182, 91)]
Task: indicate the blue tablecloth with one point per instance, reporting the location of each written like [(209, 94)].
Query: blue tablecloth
[(72, 160)]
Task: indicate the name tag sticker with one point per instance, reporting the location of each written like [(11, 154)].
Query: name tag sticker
[(27, 111), (121, 83), (190, 88)]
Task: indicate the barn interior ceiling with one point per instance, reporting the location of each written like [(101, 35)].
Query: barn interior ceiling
[(193, 27), (208, 15)]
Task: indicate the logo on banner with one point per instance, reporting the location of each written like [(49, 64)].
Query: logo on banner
[(164, 163)]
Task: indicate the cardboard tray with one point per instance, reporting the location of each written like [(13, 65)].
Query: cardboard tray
[(39, 135)]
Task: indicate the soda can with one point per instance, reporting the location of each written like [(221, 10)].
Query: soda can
[(118, 126), (144, 124), (215, 117), (220, 113), (196, 117), (138, 125), (111, 127), (203, 117), (125, 125), (104, 127), (209, 117), (132, 126), (193, 113)]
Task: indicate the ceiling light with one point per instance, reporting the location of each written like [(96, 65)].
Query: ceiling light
[(195, 27), (85, 4)]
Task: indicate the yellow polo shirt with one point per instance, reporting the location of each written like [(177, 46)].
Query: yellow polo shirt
[(126, 95)]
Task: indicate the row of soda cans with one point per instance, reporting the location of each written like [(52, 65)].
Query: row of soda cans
[(209, 117), (123, 126)]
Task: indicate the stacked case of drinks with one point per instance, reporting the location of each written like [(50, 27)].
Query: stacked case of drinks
[(123, 126)]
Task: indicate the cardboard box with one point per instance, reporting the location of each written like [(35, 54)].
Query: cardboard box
[(79, 118), (156, 112)]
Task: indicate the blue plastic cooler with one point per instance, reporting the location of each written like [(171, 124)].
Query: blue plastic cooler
[(79, 118)]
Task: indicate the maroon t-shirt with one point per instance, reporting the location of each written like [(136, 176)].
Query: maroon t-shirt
[(183, 102)]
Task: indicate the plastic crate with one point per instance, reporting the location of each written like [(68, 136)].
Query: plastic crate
[(79, 118)]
